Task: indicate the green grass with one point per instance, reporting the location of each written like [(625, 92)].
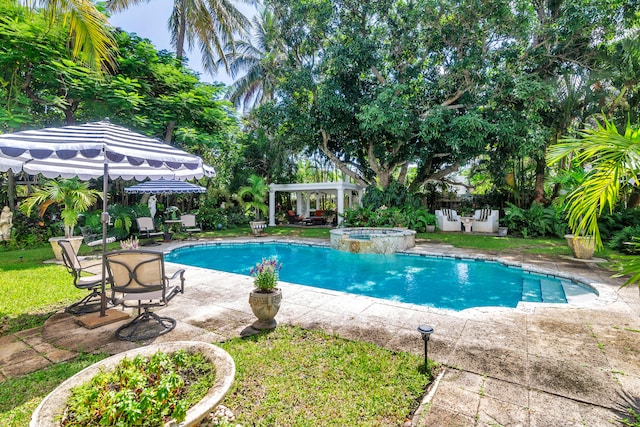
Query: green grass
[(20, 396), (295, 377)]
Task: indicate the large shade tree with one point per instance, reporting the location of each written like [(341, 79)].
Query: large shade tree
[(381, 87)]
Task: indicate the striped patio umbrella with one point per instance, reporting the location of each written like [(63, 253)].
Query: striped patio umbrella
[(165, 186), (94, 150)]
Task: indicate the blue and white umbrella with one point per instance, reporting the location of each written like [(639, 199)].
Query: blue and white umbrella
[(94, 150), (165, 186)]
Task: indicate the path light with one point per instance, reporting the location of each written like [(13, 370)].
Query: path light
[(426, 331)]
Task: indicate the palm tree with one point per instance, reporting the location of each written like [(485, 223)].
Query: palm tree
[(257, 190), (73, 196), (614, 159), (209, 24), (92, 41), (258, 58)]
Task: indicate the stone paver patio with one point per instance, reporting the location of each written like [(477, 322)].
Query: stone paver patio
[(537, 365)]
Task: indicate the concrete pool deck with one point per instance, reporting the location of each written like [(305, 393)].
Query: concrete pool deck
[(537, 365)]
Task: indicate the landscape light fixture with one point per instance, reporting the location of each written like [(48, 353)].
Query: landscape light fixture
[(425, 331)]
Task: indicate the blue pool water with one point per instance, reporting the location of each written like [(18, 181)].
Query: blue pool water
[(449, 283)]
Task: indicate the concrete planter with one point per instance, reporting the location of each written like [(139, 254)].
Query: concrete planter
[(581, 246), (76, 241), (265, 306), (257, 227), (48, 413)]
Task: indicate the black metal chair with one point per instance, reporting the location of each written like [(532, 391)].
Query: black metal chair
[(93, 283), (138, 275)]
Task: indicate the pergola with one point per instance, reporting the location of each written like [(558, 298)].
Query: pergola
[(341, 190)]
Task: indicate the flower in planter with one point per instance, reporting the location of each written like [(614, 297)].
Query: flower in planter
[(265, 274), (130, 243)]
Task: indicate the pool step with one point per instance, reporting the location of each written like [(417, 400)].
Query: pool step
[(531, 291), (542, 290)]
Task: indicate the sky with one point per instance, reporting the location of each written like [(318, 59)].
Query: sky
[(150, 21)]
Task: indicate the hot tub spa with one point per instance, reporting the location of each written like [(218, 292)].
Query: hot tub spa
[(368, 240)]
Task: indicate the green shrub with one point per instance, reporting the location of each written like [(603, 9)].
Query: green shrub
[(620, 240), (612, 223), (537, 221)]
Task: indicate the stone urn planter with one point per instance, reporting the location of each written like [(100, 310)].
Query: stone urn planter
[(502, 231), (48, 413), (581, 246), (265, 305), (76, 241), (257, 227)]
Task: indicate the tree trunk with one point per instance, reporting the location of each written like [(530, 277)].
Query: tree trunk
[(634, 199), (539, 187)]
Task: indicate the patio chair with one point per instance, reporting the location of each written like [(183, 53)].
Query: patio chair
[(93, 283), (92, 238), (486, 220), (448, 220), (292, 217), (190, 226), (146, 228), (138, 275)]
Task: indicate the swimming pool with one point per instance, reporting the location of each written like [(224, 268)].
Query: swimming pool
[(440, 282)]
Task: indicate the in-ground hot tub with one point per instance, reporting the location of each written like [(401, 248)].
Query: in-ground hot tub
[(368, 240)]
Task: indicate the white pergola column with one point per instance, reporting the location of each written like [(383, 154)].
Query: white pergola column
[(272, 208), (299, 210), (340, 205)]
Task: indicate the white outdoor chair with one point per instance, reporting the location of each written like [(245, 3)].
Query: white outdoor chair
[(486, 220), (448, 220), (147, 229), (189, 225)]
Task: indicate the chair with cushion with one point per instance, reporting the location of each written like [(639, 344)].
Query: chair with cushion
[(139, 275), (448, 220), (146, 228), (92, 283), (292, 217), (189, 225), (486, 220)]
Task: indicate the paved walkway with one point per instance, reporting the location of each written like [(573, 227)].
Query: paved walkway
[(537, 365)]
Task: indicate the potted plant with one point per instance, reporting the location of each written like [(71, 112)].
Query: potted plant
[(265, 299), (430, 221), (256, 191), (73, 196)]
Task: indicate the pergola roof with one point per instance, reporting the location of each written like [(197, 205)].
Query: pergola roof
[(316, 186)]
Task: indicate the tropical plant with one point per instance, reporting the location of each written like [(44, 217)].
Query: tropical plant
[(537, 221), (256, 191), (614, 161), (72, 195), (265, 274), (89, 32)]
